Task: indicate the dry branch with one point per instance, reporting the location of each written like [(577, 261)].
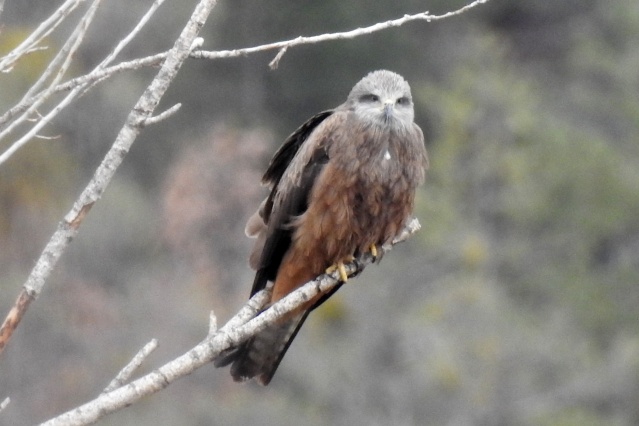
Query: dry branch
[(4, 403), (78, 90), (161, 116), (125, 374), (57, 67), (80, 85), (283, 46), (141, 112), (92, 78), (44, 29), (241, 327), (14, 317)]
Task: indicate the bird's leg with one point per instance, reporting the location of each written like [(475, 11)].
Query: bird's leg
[(374, 251), (339, 266)]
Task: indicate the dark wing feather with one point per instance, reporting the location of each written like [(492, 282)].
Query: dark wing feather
[(291, 204), (278, 233), (282, 158), (291, 175)]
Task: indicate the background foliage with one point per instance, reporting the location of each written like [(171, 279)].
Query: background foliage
[(515, 305)]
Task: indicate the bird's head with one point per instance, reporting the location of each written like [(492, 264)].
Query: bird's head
[(383, 98)]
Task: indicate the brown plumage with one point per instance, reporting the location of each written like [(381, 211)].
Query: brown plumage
[(342, 182)]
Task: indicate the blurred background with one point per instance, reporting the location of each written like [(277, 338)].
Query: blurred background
[(516, 304)]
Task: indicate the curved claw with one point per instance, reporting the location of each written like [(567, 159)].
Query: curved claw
[(342, 271), (339, 266)]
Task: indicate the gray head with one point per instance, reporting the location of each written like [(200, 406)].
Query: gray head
[(383, 98)]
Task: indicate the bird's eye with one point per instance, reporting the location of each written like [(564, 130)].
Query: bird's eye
[(369, 98), (404, 100)]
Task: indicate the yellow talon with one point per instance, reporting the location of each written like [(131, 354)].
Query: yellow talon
[(342, 271), (374, 251), (339, 266)]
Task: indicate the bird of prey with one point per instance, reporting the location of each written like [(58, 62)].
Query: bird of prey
[(341, 185)]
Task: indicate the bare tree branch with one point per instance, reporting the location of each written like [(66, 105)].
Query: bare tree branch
[(162, 116), (125, 374), (68, 228), (14, 317), (44, 29), (81, 84), (5, 401), (212, 323), (59, 65), (237, 330), (126, 40), (77, 90), (92, 78), (283, 46)]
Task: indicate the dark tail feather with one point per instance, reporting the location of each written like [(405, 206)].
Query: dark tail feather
[(260, 356)]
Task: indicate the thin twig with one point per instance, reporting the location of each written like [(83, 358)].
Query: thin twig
[(77, 90), (283, 46), (276, 60), (249, 310), (43, 30), (212, 323), (60, 63), (212, 345), (47, 138), (4, 403), (90, 78), (125, 374), (197, 43), (162, 116), (134, 32), (64, 56), (123, 43)]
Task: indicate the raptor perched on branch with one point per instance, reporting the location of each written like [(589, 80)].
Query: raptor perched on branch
[(342, 184)]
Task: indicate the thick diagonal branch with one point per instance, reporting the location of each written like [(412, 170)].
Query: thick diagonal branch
[(239, 328)]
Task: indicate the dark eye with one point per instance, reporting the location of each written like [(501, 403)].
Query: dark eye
[(404, 100), (369, 97)]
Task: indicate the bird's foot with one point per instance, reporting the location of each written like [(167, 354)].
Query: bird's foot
[(339, 266), (374, 251)]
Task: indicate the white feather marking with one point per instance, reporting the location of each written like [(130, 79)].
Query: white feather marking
[(387, 155)]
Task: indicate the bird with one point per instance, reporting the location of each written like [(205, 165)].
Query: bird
[(341, 185)]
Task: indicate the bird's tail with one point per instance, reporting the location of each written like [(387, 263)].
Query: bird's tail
[(260, 356)]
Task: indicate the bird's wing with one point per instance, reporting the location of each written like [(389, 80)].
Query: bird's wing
[(256, 226), (292, 174), (284, 155)]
